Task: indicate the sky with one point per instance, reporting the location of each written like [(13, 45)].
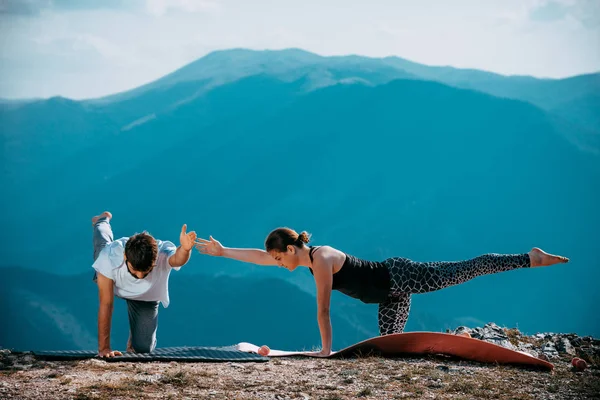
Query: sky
[(85, 49)]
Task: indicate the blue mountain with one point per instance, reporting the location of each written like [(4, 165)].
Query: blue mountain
[(379, 157)]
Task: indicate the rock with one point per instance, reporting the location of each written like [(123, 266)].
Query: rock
[(461, 329), (576, 341), (571, 336), (564, 346), (21, 367), (528, 348), (443, 368), (587, 351), (543, 345), (494, 334), (53, 375), (544, 357), (95, 361), (550, 350)]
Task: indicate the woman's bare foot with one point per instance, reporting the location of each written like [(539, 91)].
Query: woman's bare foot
[(105, 214), (539, 258)]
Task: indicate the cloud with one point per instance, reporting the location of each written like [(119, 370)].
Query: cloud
[(36, 7), (153, 7), (94, 4), (23, 7), (161, 7), (586, 12), (79, 51), (392, 30), (550, 11)]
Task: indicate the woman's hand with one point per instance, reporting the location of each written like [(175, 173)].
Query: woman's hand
[(211, 247)]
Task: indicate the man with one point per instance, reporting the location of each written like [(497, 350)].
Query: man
[(136, 269)]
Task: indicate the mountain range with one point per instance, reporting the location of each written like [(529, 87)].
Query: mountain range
[(378, 157)]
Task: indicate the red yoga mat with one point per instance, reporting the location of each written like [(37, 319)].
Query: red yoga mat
[(415, 343)]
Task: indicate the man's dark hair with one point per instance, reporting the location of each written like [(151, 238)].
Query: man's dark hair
[(141, 250)]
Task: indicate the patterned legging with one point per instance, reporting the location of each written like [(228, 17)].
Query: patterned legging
[(410, 277)]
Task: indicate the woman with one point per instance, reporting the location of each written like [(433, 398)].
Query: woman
[(389, 283)]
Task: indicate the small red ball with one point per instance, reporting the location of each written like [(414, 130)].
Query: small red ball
[(579, 364), (264, 350)]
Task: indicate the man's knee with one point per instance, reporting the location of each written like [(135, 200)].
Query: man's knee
[(142, 349), (145, 346), (143, 323)]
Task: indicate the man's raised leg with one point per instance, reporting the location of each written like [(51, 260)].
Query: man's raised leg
[(103, 234)]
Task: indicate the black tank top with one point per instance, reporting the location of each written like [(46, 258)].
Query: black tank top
[(368, 281)]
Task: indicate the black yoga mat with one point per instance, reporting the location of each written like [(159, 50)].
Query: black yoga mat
[(229, 353)]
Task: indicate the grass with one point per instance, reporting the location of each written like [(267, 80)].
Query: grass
[(553, 388), (83, 396), (593, 361), (323, 387), (179, 378), (205, 373), (513, 336), (128, 387), (465, 387), (333, 380), (348, 372), (8, 372)]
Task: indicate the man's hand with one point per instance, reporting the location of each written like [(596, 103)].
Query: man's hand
[(107, 353), (183, 252), (187, 239)]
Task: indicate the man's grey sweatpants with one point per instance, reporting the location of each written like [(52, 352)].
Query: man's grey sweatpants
[(143, 315)]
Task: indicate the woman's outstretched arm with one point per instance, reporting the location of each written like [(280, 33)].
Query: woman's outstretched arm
[(214, 248)]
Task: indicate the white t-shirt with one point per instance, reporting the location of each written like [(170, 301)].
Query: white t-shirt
[(154, 287)]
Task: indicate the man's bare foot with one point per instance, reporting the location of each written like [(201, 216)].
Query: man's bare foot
[(539, 258), (129, 348), (105, 214)]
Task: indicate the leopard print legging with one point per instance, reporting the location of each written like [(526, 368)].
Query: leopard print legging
[(408, 277)]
